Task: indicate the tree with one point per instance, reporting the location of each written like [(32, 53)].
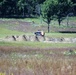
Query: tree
[(74, 6), (18, 8), (1, 7), (63, 9), (48, 11), (21, 5), (40, 1), (7, 8)]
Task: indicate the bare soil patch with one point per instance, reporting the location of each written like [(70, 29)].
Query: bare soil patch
[(9, 49)]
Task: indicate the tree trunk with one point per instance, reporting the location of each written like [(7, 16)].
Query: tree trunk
[(67, 20), (23, 12), (48, 28), (59, 22)]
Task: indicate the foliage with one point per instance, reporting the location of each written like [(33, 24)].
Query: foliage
[(22, 8), (48, 11), (74, 7), (18, 8), (64, 7), (70, 52)]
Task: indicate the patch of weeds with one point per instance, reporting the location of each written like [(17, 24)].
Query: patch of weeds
[(39, 55), (14, 55), (51, 52), (70, 52)]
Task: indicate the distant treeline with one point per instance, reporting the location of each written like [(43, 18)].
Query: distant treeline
[(24, 8)]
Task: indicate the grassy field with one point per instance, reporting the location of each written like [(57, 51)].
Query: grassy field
[(61, 35), (35, 58), (6, 32), (10, 27), (33, 24), (38, 44), (5, 24)]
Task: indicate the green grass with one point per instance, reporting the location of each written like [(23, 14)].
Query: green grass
[(5, 32), (73, 18), (68, 35), (38, 44)]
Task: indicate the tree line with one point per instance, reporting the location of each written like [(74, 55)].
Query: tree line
[(57, 9), (19, 8), (34, 8)]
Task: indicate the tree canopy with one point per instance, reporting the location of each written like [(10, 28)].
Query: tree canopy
[(48, 11), (64, 7), (22, 8), (56, 9)]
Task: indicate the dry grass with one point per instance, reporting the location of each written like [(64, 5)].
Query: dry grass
[(36, 61)]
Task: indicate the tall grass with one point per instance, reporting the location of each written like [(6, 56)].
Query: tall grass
[(53, 64), (34, 66)]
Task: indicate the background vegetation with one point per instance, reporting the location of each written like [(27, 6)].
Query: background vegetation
[(47, 10), (28, 8)]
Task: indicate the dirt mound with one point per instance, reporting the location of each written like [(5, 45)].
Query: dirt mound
[(38, 38), (21, 38), (10, 38), (60, 40), (32, 38)]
